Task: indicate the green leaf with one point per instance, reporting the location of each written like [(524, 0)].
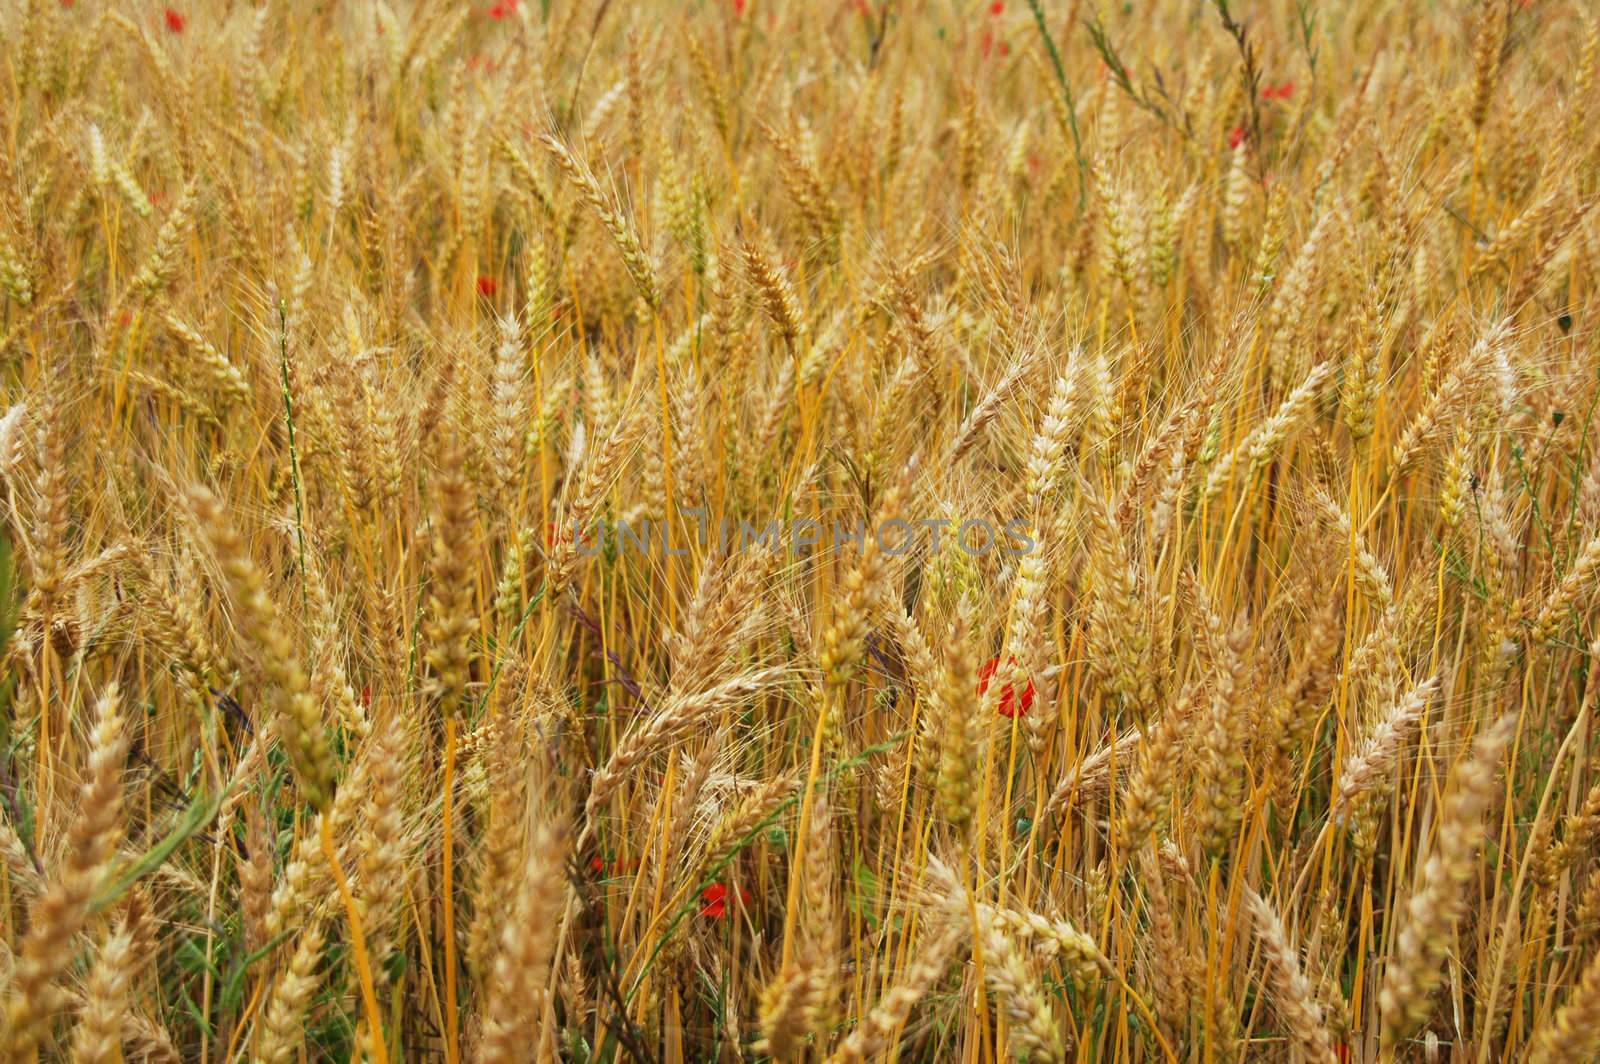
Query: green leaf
[(201, 811), (191, 956), (863, 899)]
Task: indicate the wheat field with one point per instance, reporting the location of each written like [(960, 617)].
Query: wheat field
[(895, 530)]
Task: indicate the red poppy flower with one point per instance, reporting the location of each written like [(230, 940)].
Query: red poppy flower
[(997, 8), (176, 20), (1235, 136), (1010, 704), (499, 10), (714, 900), (487, 286), (597, 865), (738, 7), (1286, 90)]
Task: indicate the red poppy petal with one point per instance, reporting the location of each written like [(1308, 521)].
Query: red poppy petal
[(986, 673)]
